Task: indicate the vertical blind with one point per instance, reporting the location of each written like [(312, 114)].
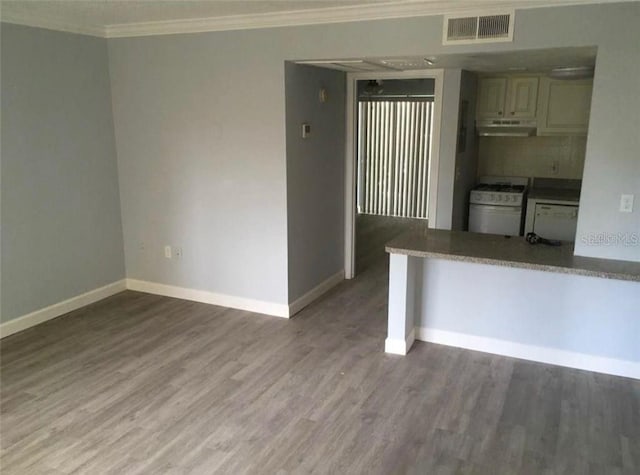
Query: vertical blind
[(394, 142)]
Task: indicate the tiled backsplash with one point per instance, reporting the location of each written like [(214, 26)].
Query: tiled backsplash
[(548, 157)]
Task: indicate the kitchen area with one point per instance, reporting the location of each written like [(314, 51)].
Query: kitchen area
[(506, 280), (532, 133)]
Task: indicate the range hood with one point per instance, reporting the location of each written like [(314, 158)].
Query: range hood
[(506, 128)]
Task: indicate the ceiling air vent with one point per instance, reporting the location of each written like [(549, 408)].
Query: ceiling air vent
[(477, 28)]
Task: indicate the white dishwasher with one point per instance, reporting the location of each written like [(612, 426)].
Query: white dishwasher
[(555, 221)]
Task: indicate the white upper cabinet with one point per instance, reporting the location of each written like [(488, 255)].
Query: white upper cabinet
[(513, 97), (522, 97), (564, 106), (491, 96)]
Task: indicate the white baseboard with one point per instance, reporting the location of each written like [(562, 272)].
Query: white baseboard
[(599, 364), (317, 291), (60, 308), (398, 346), (204, 296)]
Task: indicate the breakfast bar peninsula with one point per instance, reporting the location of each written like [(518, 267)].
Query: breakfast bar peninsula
[(505, 296)]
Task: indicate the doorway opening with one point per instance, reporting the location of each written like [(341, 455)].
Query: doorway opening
[(394, 131)]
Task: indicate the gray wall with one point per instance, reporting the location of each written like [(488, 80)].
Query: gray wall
[(467, 161), (200, 132), (61, 230), (315, 176), (612, 162), (448, 145), (542, 309)]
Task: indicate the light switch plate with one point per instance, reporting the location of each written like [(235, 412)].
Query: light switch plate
[(167, 252), (306, 130), (626, 203)]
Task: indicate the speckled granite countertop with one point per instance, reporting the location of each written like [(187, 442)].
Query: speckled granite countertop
[(554, 194), (508, 252)]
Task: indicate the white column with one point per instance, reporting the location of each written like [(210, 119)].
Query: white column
[(402, 288)]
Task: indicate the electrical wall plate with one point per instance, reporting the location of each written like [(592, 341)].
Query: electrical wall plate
[(626, 203), (306, 130)]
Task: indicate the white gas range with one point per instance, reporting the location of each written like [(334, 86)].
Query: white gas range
[(496, 205)]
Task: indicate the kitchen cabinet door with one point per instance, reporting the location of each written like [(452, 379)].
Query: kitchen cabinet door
[(491, 98), (522, 97), (564, 106)]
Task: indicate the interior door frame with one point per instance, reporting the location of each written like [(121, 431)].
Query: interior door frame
[(351, 154)]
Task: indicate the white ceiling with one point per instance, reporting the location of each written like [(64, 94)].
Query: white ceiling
[(112, 18)]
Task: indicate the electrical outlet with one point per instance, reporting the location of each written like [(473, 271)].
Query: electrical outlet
[(626, 203), (177, 251), (141, 245), (167, 252)]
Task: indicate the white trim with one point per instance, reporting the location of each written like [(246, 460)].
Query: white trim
[(204, 296), (60, 308), (350, 181), (351, 150), (400, 347), (316, 16), (570, 359), (434, 156), (51, 24), (316, 292)]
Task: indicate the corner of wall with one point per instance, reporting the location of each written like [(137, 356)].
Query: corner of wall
[(448, 142)]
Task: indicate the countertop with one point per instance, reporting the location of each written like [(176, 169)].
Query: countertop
[(508, 252), (555, 194)]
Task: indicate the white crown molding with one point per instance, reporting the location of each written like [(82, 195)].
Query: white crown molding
[(321, 16), (318, 16), (51, 24)]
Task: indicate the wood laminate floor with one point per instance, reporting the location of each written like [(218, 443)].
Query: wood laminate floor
[(373, 232), (145, 384)]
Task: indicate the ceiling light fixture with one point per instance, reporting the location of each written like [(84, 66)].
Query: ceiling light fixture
[(373, 87)]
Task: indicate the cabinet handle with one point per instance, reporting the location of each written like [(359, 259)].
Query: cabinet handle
[(513, 113), (499, 112)]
